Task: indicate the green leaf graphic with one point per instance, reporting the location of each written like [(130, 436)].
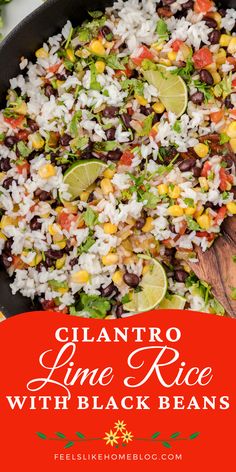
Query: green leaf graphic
[(60, 435), (194, 435), (174, 435), (69, 444), (80, 435), (41, 435), (166, 444), (155, 435)]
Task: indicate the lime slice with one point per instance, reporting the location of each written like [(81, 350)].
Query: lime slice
[(154, 287), (175, 303), (81, 175), (173, 91)]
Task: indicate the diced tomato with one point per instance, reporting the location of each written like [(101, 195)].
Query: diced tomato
[(206, 168), (233, 112), (234, 82), (23, 168), (176, 44), (153, 132), (220, 215), (202, 58), (23, 135), (53, 69), (126, 158), (48, 305), (225, 178), (231, 60), (14, 122), (127, 72), (18, 263), (182, 228), (202, 6), (66, 219), (205, 234), (217, 116), (143, 53)]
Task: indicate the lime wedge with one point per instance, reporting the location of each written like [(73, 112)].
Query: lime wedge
[(173, 91), (154, 287), (176, 302), (81, 175)]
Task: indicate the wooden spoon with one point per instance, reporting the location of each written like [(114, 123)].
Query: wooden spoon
[(217, 268)]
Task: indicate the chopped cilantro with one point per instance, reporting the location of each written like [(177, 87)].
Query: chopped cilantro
[(189, 202), (162, 30), (204, 88), (95, 305), (224, 138), (23, 149), (193, 225), (86, 245), (177, 126), (74, 123), (90, 217), (146, 125), (114, 62), (186, 71)]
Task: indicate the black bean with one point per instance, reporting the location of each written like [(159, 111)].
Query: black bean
[(126, 119), (210, 22), (10, 141), (114, 155), (49, 262), (222, 12), (205, 76), (168, 2), (52, 254), (61, 76), (65, 140), (188, 5), (33, 125), (197, 171), (107, 291), (146, 110), (7, 183), (110, 112), (5, 164), (110, 134), (91, 197), (197, 98), (140, 223), (228, 102), (42, 195), (74, 262), (132, 280), (156, 119), (107, 33), (233, 190), (187, 164), (170, 251), (228, 160), (119, 310), (49, 90), (35, 224), (6, 260), (180, 275), (8, 246), (214, 37), (209, 205)]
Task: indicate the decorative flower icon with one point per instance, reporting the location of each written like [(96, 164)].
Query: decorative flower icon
[(111, 438), (127, 437), (120, 425)]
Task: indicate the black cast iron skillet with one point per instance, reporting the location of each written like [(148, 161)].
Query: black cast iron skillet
[(23, 41)]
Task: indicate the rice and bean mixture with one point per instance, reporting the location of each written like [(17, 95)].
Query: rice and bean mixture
[(169, 182)]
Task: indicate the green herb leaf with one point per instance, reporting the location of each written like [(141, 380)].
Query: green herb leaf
[(151, 199), (193, 225), (186, 71), (60, 435), (69, 444), (204, 88), (74, 123), (114, 62), (80, 435), (166, 444), (94, 84), (224, 138), (23, 149), (79, 143), (177, 126), (189, 202), (162, 30), (84, 247), (146, 125), (90, 217), (155, 435), (55, 284), (135, 86), (175, 435), (194, 435), (96, 306), (41, 435), (125, 299), (95, 14)]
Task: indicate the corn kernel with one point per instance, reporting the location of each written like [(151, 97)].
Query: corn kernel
[(47, 171), (162, 189), (145, 270), (109, 173), (190, 211), (8, 221), (2, 236), (109, 228), (232, 143), (199, 211), (232, 46), (63, 290), (84, 196), (186, 51), (203, 183), (172, 55), (71, 55), (59, 209), (231, 207), (61, 244), (2, 176), (38, 258), (201, 150), (60, 262), (117, 277), (148, 225), (231, 130), (216, 16), (106, 186), (165, 62), (110, 259), (225, 40), (175, 210), (80, 277), (204, 221), (54, 229), (37, 141), (175, 192), (216, 77), (157, 46), (100, 67), (97, 47), (141, 100), (158, 107), (220, 57), (41, 53)]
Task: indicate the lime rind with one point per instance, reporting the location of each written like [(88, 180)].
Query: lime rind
[(81, 175)]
